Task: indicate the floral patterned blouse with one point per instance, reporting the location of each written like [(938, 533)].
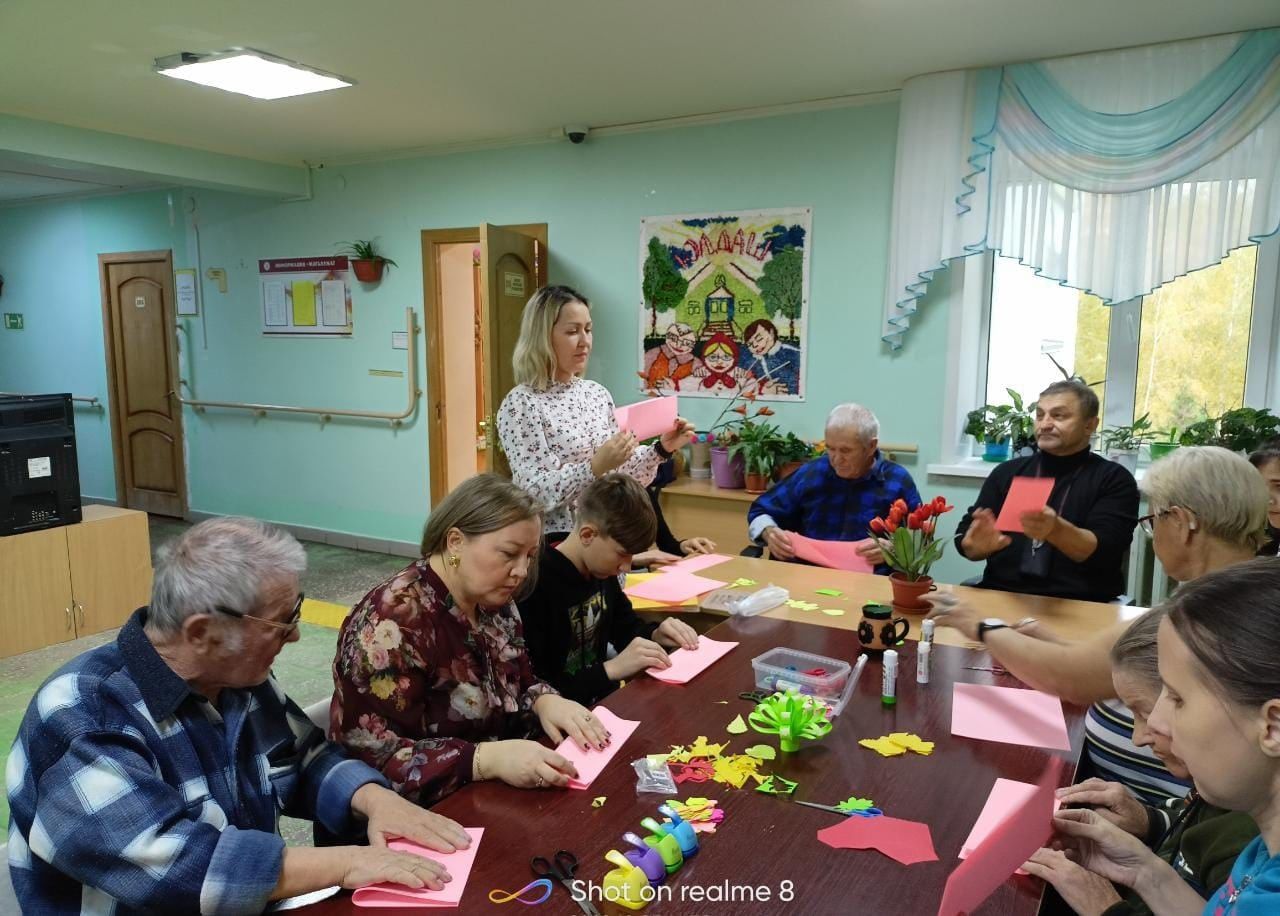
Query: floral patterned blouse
[(549, 438), (416, 685)]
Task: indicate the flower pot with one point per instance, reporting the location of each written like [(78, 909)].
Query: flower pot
[(1160, 449), (367, 271), (727, 474), (996, 452), (1126, 458), (786, 470), (700, 460), (757, 483), (907, 595)]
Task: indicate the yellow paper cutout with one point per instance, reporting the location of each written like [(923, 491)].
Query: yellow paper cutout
[(762, 752), (833, 611), (599, 800), (736, 727), (912, 743), (883, 746)]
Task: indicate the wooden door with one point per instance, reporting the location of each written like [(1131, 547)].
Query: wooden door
[(512, 266), (35, 591), (110, 559), (146, 418)]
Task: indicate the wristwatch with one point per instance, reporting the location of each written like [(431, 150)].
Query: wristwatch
[(991, 623)]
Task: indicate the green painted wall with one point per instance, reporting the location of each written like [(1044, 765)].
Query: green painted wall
[(367, 479)]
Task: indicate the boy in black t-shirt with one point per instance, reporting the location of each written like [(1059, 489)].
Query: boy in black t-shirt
[(578, 608)]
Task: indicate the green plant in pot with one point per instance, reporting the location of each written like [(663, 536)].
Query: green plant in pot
[(367, 263), (1201, 432), (759, 444), (1121, 443), (996, 425), (793, 452), (1246, 428), (1165, 445)]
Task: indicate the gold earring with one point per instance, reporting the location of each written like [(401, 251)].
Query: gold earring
[(454, 561)]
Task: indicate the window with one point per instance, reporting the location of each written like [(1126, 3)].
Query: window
[(1176, 355)]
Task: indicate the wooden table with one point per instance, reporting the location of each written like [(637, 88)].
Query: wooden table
[(764, 840), (1069, 619), (698, 508)]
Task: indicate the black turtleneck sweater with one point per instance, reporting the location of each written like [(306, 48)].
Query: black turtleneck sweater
[(1090, 492), (568, 621)]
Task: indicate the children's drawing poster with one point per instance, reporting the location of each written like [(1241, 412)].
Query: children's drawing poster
[(305, 295), (724, 303)]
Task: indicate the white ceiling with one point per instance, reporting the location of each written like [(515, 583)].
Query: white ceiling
[(438, 73), (25, 178)]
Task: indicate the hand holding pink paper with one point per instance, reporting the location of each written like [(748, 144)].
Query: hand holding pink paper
[(457, 863), (1026, 494), (831, 554), (687, 664), (646, 419), (591, 762), (1006, 797)]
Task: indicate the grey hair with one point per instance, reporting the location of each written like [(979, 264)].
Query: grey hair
[(1222, 489), (856, 418), (1135, 651), (221, 562)]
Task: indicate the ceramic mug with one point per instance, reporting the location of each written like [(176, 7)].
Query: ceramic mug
[(879, 629)]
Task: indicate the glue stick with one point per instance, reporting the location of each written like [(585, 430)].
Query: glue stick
[(922, 662), (889, 679), (926, 631)]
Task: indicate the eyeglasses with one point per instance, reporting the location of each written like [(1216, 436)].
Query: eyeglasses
[(1148, 522), (287, 627)]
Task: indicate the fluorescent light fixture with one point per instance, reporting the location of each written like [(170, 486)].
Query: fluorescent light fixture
[(249, 72)]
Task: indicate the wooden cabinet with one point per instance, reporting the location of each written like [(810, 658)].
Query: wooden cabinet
[(63, 583), (698, 508)]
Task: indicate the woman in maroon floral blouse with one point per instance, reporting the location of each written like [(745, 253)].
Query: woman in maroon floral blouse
[(433, 684)]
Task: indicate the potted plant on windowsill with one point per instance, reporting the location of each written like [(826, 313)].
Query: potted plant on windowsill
[(1245, 428), (759, 445), (1121, 443), (996, 425), (728, 470), (910, 543), (1158, 448), (792, 455), (367, 263)]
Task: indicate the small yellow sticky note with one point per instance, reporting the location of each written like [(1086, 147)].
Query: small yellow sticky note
[(762, 752), (599, 800), (743, 583), (883, 746), (736, 727), (833, 611)]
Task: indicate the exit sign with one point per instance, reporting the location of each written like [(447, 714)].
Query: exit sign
[(12, 321)]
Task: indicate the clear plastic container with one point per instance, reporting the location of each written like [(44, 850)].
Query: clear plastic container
[(781, 668)]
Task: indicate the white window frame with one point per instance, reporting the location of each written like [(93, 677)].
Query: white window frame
[(966, 294)]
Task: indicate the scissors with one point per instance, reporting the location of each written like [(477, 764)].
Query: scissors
[(562, 867), (866, 812), (755, 696)]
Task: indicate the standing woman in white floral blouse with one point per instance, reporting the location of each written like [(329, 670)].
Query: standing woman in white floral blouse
[(558, 429)]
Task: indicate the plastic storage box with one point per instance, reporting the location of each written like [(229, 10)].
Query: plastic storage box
[(781, 668)]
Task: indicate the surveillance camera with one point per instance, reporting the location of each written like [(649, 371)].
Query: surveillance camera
[(577, 133)]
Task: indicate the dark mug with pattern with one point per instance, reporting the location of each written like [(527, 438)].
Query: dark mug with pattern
[(879, 629)]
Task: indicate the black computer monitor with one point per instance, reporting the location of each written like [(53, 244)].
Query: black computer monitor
[(39, 476)]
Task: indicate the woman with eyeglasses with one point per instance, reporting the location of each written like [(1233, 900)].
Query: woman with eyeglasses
[(1207, 511), (433, 685)]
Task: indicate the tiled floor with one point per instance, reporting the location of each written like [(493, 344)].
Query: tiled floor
[(334, 574)]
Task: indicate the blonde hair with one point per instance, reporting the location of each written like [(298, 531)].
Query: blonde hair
[(1222, 489), (534, 361)]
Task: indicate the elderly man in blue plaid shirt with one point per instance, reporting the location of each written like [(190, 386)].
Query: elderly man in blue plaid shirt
[(149, 774), (834, 497)]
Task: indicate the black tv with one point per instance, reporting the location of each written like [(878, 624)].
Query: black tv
[(39, 476)]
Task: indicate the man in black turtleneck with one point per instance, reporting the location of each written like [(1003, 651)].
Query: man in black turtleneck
[(1075, 547)]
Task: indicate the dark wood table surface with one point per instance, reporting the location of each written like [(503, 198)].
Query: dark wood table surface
[(764, 841)]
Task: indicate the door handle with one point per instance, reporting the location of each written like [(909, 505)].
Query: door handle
[(80, 609), (69, 618)]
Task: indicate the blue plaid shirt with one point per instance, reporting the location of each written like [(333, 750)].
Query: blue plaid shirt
[(126, 786), (816, 502)]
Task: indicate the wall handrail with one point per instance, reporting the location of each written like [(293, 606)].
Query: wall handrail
[(78, 398), (328, 413)]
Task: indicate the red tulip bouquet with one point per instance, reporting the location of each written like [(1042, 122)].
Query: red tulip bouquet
[(908, 537)]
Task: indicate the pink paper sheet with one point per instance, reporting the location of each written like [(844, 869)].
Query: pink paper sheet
[(695, 563), (831, 554), (648, 418), (1026, 494), (686, 664), (591, 763), (907, 842), (673, 588), (1009, 715), (1005, 798), (458, 864), (1024, 830)]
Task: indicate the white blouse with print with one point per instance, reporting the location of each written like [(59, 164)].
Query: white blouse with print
[(549, 438)]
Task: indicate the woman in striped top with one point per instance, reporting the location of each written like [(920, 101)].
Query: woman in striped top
[(1208, 510)]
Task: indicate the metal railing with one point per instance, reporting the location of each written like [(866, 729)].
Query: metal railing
[(78, 398), (328, 413)]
